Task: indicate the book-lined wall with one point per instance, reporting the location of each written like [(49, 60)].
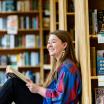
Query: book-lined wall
[(96, 19), (24, 22), (19, 41), (96, 30), (21, 59), (18, 5), (24, 30)]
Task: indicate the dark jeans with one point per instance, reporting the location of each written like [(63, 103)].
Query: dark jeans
[(16, 90)]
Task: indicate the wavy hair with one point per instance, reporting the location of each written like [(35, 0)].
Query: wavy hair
[(69, 53)]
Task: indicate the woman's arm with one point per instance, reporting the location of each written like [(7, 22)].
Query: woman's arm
[(50, 93), (34, 88)]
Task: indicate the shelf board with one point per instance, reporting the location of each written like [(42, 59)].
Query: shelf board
[(70, 13), (46, 29), (23, 68), (32, 68), (95, 77), (22, 31), (16, 50), (3, 14), (26, 31), (94, 42), (47, 67), (92, 36)]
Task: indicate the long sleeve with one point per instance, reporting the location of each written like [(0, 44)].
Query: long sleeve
[(57, 92), (67, 88)]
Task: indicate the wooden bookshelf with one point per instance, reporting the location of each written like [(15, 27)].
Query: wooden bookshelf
[(67, 16), (87, 40), (73, 18), (98, 7), (33, 19)]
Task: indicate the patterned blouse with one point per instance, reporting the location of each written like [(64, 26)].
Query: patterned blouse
[(67, 88)]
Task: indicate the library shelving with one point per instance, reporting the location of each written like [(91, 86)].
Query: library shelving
[(67, 16), (89, 46), (96, 21), (73, 18), (24, 29)]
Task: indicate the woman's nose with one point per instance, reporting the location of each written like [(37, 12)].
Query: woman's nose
[(49, 45)]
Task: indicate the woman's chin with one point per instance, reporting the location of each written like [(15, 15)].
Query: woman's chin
[(51, 54)]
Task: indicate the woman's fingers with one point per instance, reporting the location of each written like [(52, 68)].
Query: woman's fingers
[(32, 86)]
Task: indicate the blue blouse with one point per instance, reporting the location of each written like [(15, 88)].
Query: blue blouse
[(66, 88)]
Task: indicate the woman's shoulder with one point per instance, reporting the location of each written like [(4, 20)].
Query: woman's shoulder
[(69, 66)]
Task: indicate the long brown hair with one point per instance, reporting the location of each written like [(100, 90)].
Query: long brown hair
[(64, 36)]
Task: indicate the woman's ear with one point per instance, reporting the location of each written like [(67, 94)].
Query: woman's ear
[(65, 44)]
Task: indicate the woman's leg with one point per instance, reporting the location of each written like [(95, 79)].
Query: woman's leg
[(6, 93), (19, 93), (22, 95)]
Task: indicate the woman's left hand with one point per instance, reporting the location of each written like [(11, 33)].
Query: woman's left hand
[(34, 88)]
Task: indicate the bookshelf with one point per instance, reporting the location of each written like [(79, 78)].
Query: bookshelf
[(96, 48), (67, 16), (74, 18), (86, 36), (23, 41)]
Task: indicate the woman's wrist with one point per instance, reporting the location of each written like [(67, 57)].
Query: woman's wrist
[(41, 91)]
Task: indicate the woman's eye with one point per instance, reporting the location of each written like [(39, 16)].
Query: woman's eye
[(53, 41)]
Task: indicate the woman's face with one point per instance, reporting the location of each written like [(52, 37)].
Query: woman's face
[(55, 46)]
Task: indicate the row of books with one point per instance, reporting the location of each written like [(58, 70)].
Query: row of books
[(96, 19), (21, 59), (99, 95), (22, 22), (97, 61), (100, 62), (13, 41), (14, 5), (35, 77)]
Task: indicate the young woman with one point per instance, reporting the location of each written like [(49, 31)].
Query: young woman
[(63, 85)]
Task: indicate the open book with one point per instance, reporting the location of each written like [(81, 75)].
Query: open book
[(14, 72)]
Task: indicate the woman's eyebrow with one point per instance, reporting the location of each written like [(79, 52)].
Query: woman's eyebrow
[(52, 39)]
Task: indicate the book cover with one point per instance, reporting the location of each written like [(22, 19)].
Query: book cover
[(16, 73), (100, 62), (9, 5), (100, 20), (99, 95), (34, 58), (12, 24), (30, 41)]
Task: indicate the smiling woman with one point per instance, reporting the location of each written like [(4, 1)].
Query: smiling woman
[(56, 46), (63, 85)]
